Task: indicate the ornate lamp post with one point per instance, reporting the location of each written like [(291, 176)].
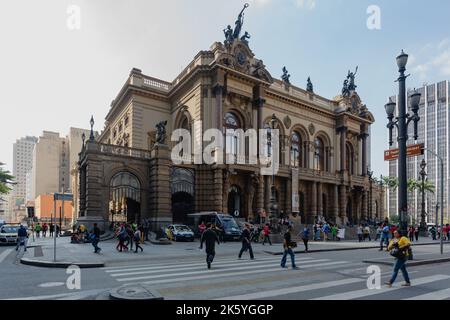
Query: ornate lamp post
[(402, 122), (273, 202), (423, 174), (370, 175)]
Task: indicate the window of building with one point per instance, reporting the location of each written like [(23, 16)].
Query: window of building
[(296, 150), (319, 155), (231, 122)]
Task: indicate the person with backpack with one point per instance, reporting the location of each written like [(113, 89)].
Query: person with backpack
[(326, 230), (384, 237), (288, 245), (359, 231), (37, 230), (22, 233), (209, 237), (137, 240), (400, 250)]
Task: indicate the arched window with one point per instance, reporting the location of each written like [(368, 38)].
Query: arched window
[(319, 155), (268, 128), (350, 159), (184, 124), (231, 122), (296, 150)]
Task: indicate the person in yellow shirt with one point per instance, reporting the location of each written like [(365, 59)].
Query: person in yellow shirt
[(399, 247)]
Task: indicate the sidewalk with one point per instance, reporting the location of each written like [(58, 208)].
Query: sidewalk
[(83, 256)]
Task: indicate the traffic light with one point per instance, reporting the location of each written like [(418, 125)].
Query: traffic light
[(30, 212)]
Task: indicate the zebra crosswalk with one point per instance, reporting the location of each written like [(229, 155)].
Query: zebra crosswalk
[(233, 279)]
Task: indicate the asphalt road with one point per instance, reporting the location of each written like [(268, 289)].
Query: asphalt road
[(327, 275)]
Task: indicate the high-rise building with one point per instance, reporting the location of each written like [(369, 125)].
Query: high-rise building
[(50, 164), (433, 132)]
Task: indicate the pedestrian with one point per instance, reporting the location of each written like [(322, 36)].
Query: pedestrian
[(137, 240), (129, 237), (22, 234), (379, 232), (444, 232), (384, 237), (334, 232), (326, 230), (305, 237), (399, 248), (95, 238), (146, 229), (246, 242), (201, 228), (209, 237), (393, 229), (121, 236), (317, 232), (433, 233), (359, 231), (448, 232), (266, 232), (411, 233), (37, 230), (52, 229), (288, 245), (44, 230), (367, 233), (416, 233), (262, 216)]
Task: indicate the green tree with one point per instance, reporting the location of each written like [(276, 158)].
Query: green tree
[(6, 181)]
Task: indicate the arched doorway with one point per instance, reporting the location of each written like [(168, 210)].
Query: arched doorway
[(302, 207), (182, 186), (235, 203), (350, 211), (324, 206), (125, 198)]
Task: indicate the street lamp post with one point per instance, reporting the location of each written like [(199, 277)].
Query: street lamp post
[(423, 174), (401, 123), (370, 175)]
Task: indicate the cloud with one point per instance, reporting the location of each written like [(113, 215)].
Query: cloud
[(432, 60)]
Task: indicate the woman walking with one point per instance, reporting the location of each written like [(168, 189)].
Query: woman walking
[(305, 237), (399, 248), (137, 240), (121, 235)]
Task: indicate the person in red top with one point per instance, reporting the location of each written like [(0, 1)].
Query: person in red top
[(201, 228), (393, 229), (266, 232), (444, 232)]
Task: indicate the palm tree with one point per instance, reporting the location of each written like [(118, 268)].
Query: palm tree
[(6, 180)]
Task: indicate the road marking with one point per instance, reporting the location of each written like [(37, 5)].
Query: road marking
[(62, 295), (5, 254), (198, 271), (51, 284), (367, 292), (216, 263), (240, 266), (232, 274), (436, 295), (285, 291)]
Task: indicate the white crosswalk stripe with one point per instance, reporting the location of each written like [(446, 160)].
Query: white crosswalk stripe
[(359, 294), (222, 268), (436, 295)]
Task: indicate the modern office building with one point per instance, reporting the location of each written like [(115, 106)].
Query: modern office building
[(433, 132), (22, 163)]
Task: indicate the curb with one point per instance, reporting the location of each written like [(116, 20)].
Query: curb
[(411, 263), (50, 264)]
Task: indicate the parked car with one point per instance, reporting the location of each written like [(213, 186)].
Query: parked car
[(178, 232), (9, 234)]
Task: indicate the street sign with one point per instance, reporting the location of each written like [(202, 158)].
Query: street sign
[(63, 197), (411, 151)]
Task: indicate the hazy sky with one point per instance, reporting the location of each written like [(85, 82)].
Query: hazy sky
[(52, 77)]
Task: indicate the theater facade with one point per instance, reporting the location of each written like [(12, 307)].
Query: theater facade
[(128, 173)]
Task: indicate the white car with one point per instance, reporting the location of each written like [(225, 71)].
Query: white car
[(9, 234), (178, 232)]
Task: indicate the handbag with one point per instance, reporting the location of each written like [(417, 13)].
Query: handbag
[(293, 244), (398, 253)]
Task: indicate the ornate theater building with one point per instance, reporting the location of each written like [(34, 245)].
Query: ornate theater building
[(128, 172)]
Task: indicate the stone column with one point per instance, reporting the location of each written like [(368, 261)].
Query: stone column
[(289, 196), (218, 93), (260, 194), (160, 193), (364, 153), (319, 199), (343, 204), (364, 204), (267, 193), (343, 133), (220, 189), (313, 214), (334, 213)]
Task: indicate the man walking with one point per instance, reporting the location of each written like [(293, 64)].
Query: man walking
[(266, 232), (96, 238), (246, 242), (23, 238), (288, 245), (384, 237), (210, 238)]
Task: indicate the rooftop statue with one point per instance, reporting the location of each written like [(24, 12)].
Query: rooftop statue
[(286, 76), (230, 34), (309, 85), (245, 37), (351, 78), (345, 90)]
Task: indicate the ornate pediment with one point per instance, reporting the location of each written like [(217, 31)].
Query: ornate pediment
[(352, 104)]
